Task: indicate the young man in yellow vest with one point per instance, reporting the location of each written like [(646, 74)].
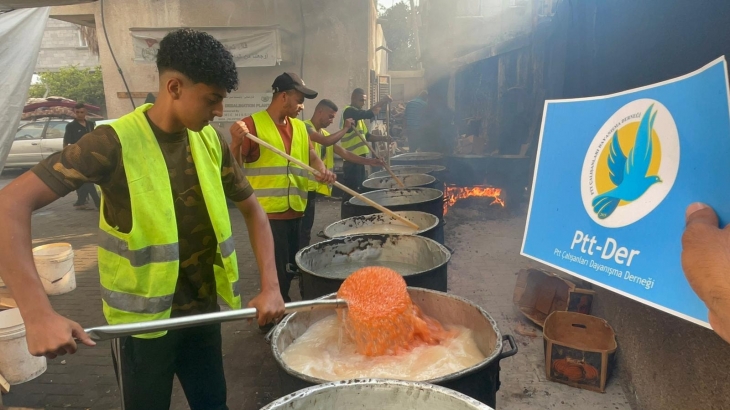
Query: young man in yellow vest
[(281, 186), (326, 146), (354, 174), (165, 239)]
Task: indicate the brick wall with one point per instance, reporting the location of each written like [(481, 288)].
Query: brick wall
[(61, 47)]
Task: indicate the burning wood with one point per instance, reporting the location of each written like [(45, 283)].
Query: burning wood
[(455, 193)]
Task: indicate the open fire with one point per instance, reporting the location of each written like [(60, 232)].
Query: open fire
[(454, 193)]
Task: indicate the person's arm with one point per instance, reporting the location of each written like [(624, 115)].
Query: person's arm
[(706, 264), (325, 176), (377, 138), (356, 159), (268, 303), (332, 139), (242, 147), (382, 103), (357, 114), (66, 140), (47, 333), (91, 159), (238, 136)]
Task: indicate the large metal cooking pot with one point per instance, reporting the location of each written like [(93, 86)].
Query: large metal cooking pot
[(480, 381), (325, 265), (376, 394), (427, 224), (418, 158), (409, 180), (410, 169), (427, 200)]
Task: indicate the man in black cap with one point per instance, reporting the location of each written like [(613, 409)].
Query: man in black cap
[(355, 173), (281, 187)]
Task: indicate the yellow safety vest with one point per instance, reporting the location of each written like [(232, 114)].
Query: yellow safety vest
[(278, 184), (328, 159), (139, 269), (351, 141)]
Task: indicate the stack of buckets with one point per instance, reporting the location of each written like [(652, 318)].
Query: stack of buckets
[(55, 265)]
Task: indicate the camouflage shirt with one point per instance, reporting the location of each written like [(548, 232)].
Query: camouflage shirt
[(97, 158)]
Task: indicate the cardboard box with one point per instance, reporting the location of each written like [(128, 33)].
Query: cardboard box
[(580, 350), (539, 293)]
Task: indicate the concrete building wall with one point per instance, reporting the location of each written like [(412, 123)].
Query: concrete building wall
[(334, 40), (666, 362), (62, 47), (407, 84)]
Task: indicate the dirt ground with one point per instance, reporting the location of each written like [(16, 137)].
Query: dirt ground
[(482, 269)]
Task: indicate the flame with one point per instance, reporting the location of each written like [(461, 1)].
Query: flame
[(454, 193)]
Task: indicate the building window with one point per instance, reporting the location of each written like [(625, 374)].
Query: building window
[(82, 39), (468, 8)]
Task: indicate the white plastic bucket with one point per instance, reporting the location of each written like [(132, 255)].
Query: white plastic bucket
[(55, 265), (17, 365)]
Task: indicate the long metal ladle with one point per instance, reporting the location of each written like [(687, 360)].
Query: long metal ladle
[(114, 331)]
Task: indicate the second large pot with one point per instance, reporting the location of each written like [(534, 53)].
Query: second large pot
[(410, 169), (480, 381), (378, 224), (409, 180), (324, 266), (427, 200), (418, 158)]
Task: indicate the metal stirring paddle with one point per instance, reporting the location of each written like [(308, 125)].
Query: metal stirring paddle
[(114, 331)]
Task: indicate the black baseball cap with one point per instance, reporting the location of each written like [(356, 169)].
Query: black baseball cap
[(291, 81)]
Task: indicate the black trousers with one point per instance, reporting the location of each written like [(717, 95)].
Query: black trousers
[(286, 245), (145, 369), (85, 191), (354, 176), (305, 230)]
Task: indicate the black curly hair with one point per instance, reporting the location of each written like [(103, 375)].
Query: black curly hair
[(198, 56)]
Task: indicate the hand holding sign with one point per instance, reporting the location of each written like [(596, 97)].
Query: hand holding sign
[(706, 263)]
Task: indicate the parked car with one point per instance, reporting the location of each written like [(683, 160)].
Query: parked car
[(36, 140)]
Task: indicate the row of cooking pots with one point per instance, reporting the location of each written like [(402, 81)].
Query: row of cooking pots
[(325, 265)]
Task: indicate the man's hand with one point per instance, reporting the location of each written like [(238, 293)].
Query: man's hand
[(349, 124), (238, 133), (52, 335), (326, 177), (706, 263), (386, 100), (375, 162), (269, 306)]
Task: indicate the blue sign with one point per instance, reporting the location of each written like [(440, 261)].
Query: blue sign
[(614, 177)]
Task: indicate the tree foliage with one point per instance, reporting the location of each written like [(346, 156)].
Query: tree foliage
[(399, 36), (79, 84)]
